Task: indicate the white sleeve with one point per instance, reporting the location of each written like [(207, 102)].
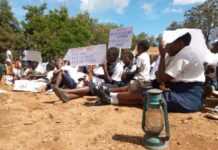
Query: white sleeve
[(212, 59), (175, 67), (139, 62), (118, 71)]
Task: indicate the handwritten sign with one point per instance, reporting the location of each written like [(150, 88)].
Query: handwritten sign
[(121, 38), (92, 55), (213, 35), (32, 56)]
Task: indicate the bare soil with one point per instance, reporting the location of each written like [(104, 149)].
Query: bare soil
[(31, 121)]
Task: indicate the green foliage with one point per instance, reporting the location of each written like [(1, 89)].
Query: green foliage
[(203, 16), (53, 32), (9, 27)]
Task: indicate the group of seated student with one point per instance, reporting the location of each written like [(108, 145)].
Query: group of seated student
[(11, 70), (124, 78), (180, 76), (211, 73)]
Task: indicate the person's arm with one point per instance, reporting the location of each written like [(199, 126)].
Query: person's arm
[(106, 74), (90, 72), (161, 74)]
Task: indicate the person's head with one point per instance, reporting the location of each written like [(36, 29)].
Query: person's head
[(174, 47), (142, 46), (34, 64), (59, 63), (127, 58), (214, 47), (18, 64), (112, 55), (66, 62), (50, 66)]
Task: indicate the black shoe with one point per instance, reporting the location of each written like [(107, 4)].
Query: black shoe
[(60, 94)]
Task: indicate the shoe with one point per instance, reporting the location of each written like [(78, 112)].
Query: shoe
[(60, 94)]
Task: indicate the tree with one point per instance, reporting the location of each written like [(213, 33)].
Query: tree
[(204, 16), (175, 25), (9, 27)]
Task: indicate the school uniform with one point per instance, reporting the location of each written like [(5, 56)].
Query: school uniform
[(72, 76), (186, 88), (129, 71), (211, 77), (141, 79)]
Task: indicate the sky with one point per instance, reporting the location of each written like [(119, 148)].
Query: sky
[(149, 16)]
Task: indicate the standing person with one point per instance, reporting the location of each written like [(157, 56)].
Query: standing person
[(9, 55)]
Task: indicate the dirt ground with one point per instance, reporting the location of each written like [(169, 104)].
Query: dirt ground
[(40, 122)]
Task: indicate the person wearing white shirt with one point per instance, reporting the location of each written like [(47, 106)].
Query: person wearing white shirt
[(182, 71), (9, 55), (133, 93)]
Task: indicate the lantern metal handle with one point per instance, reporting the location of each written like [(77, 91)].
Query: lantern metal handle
[(144, 110), (164, 105)]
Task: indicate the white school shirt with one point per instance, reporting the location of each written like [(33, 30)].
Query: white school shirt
[(74, 73), (143, 64), (8, 55), (185, 66), (118, 71), (17, 72), (154, 68)]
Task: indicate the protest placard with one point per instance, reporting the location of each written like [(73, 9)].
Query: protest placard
[(92, 55), (121, 37), (32, 56), (213, 35)]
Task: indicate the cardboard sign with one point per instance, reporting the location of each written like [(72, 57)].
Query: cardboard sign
[(121, 38), (213, 35), (92, 55), (32, 56)]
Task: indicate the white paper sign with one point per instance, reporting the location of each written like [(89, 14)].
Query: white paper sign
[(213, 35), (92, 55), (121, 38), (32, 56), (29, 86)]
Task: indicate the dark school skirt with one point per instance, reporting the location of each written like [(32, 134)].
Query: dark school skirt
[(184, 97)]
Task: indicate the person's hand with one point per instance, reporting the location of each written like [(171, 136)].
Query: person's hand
[(162, 50)]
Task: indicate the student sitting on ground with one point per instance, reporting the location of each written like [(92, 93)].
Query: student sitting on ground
[(61, 75), (17, 70), (131, 94), (2, 69), (91, 88), (113, 68), (183, 72), (211, 85), (8, 78), (129, 67), (30, 73)]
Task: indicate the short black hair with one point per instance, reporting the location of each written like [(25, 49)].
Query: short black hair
[(129, 54), (143, 45), (114, 52), (185, 38)]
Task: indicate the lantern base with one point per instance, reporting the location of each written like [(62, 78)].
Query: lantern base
[(155, 143)]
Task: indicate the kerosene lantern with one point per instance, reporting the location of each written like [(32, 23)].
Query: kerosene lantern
[(155, 120)]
